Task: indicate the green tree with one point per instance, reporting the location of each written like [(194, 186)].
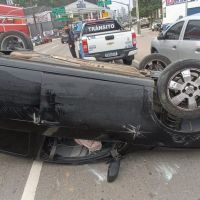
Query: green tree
[(52, 3), (147, 7)]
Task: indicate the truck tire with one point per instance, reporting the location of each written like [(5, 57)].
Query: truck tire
[(154, 62), (179, 89), (128, 60), (14, 40)]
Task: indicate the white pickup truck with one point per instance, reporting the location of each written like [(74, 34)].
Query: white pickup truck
[(106, 40)]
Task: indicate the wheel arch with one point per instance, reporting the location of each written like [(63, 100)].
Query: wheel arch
[(154, 50)]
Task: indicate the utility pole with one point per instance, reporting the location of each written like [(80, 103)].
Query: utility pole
[(186, 8), (138, 17), (129, 14)]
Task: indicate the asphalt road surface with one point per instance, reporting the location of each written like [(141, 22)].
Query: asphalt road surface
[(144, 175)]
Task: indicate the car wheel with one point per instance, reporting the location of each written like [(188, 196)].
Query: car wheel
[(15, 40), (154, 62), (179, 89), (128, 60)]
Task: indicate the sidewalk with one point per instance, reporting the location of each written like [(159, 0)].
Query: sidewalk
[(144, 43)]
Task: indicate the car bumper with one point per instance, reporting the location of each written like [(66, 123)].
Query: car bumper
[(121, 55)]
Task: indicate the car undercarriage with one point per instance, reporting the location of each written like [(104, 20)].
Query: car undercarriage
[(48, 102)]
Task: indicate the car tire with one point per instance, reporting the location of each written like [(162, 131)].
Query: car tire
[(128, 60), (179, 89), (27, 44), (154, 62)]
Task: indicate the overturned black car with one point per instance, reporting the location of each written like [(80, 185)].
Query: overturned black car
[(46, 103)]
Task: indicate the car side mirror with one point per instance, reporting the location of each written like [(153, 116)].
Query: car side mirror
[(161, 36)]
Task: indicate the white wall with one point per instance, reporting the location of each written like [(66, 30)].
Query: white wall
[(174, 11)]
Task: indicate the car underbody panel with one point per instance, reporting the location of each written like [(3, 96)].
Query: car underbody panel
[(47, 102)]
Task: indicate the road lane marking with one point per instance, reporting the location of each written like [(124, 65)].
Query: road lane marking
[(32, 181)]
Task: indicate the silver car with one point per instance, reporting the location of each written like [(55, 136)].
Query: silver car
[(180, 41)]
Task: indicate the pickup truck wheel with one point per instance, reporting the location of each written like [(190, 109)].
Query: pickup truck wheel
[(179, 89), (128, 60), (154, 62), (15, 40)]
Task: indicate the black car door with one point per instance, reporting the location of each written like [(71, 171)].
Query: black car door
[(20, 93), (90, 103)]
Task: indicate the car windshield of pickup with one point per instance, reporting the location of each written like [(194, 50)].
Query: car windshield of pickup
[(101, 26)]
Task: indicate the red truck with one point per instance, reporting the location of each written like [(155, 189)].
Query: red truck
[(13, 28)]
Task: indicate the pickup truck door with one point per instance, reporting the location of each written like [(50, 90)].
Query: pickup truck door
[(189, 47), (169, 46)]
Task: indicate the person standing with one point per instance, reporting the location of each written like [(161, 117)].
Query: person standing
[(71, 41)]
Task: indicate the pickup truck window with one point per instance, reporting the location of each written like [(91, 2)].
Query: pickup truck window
[(193, 30), (174, 32), (99, 27)]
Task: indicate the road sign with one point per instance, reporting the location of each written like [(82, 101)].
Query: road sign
[(103, 3), (58, 10), (105, 14), (62, 19), (100, 3), (108, 2)]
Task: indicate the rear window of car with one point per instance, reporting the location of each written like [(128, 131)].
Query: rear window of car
[(99, 27), (193, 30)]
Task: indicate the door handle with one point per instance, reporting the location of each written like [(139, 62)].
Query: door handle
[(174, 47)]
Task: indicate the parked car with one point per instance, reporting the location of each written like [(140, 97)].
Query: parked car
[(38, 40), (46, 39), (64, 38), (165, 26), (156, 25), (180, 41), (106, 40), (144, 23)]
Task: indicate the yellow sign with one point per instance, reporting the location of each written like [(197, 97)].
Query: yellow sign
[(105, 14)]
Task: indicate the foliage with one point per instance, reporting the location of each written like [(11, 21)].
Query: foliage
[(147, 7), (52, 3)]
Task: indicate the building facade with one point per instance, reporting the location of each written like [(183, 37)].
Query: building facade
[(85, 9), (176, 9)]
